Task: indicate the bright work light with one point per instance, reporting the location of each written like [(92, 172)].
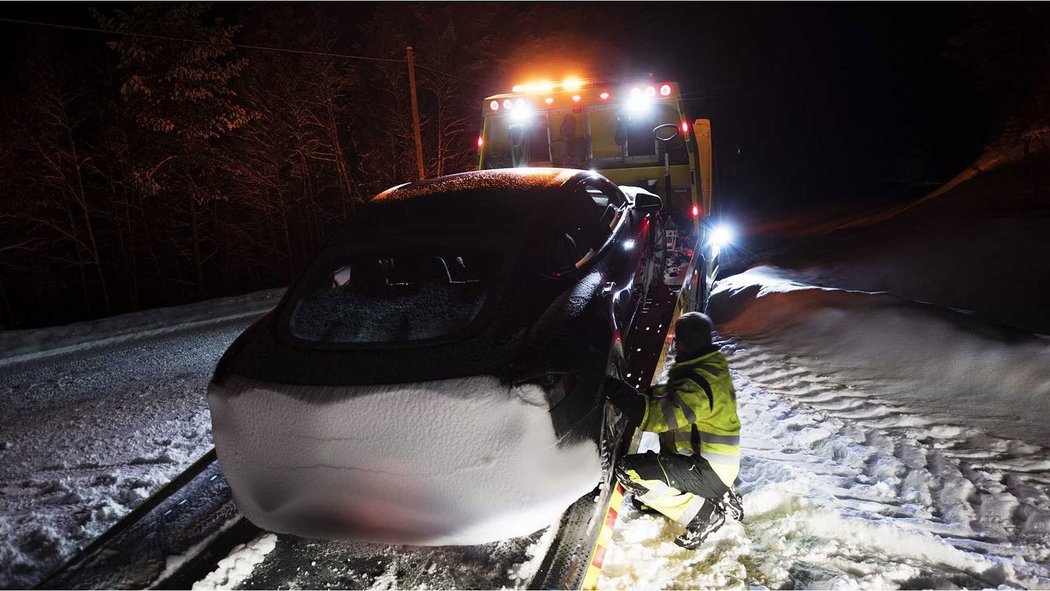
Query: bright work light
[(521, 112), (638, 103), (722, 235)]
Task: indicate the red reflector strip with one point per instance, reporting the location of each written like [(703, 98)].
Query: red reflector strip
[(594, 565), (599, 556)]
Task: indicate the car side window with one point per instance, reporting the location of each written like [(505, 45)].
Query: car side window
[(610, 201), (594, 211)]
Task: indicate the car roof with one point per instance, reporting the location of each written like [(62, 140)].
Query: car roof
[(479, 181), (485, 201)]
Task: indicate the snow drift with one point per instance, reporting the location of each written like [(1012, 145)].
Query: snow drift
[(463, 461), (886, 443), (949, 361)]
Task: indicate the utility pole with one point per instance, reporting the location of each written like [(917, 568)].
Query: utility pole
[(415, 109)]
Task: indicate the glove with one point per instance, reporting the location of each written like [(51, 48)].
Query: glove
[(636, 489), (630, 402)]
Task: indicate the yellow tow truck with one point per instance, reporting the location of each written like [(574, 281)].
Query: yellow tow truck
[(634, 134)]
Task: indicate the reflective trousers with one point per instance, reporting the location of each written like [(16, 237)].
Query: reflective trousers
[(676, 485)]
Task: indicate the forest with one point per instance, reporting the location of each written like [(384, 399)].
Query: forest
[(161, 153), (163, 163)]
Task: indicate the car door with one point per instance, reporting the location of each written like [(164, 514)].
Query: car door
[(626, 281)]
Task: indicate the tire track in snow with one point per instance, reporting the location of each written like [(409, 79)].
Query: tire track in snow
[(843, 488), (88, 435)]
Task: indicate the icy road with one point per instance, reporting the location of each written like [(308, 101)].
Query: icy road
[(87, 433)]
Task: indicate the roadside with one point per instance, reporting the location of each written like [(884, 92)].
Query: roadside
[(97, 417)]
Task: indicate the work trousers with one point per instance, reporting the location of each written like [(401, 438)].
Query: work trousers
[(676, 485)]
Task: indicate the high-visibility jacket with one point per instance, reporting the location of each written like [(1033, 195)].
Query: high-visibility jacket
[(695, 412)]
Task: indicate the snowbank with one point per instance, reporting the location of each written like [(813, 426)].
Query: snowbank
[(463, 461), (979, 245), (23, 345), (950, 363)]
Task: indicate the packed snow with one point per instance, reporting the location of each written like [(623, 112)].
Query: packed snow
[(462, 461), (97, 417), (834, 498), (893, 381), (235, 568)]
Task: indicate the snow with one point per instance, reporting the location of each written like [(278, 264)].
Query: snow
[(886, 443), (892, 382), (97, 417), (462, 461), (834, 502), (952, 364), (235, 568), (535, 553), (17, 346), (342, 315), (893, 386), (981, 247)]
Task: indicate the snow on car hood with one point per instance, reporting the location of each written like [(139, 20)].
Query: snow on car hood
[(463, 461)]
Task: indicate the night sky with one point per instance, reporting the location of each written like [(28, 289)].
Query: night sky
[(811, 103), (820, 103)]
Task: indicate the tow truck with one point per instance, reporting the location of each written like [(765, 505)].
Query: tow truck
[(635, 134)]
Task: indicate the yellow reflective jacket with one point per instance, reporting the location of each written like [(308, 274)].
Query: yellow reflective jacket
[(695, 412)]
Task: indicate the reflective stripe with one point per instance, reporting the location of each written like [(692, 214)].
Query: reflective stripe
[(668, 410), (716, 458), (711, 369), (691, 510), (723, 439), (686, 410)]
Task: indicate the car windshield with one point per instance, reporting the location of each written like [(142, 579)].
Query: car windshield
[(388, 298)]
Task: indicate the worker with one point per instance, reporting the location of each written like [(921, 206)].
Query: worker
[(691, 480)]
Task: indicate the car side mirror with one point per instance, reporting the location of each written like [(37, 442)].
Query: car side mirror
[(648, 202)]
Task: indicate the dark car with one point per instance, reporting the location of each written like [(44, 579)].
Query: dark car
[(435, 375)]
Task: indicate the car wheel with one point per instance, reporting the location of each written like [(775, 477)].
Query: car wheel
[(614, 428)]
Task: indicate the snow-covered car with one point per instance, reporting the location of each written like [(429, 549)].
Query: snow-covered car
[(435, 375)]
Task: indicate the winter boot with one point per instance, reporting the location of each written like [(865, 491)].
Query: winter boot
[(628, 483), (707, 521), (734, 504)]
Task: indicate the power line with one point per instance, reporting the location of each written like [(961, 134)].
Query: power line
[(195, 41), (237, 45), (453, 76)]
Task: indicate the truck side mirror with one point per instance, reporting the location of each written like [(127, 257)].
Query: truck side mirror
[(665, 133)]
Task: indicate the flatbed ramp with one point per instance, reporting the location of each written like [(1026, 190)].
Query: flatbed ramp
[(179, 535)]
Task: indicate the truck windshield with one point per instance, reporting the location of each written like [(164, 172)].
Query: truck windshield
[(582, 138)]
